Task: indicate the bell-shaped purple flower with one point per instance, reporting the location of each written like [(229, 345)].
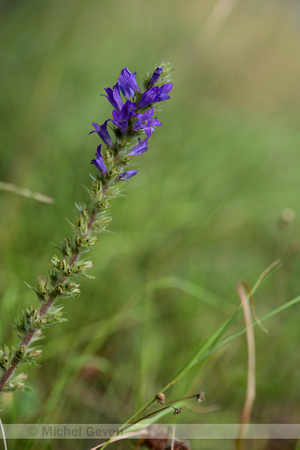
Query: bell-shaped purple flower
[(127, 83), (121, 118), (156, 74), (114, 97), (155, 94), (146, 123), (163, 92), (140, 148), (98, 162), (101, 130), (148, 97), (126, 175)]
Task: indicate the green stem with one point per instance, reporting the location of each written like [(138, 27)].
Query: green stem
[(45, 307)]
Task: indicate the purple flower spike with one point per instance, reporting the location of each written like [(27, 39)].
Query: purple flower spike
[(114, 97), (140, 148), (98, 162), (103, 133), (156, 74), (126, 175), (127, 83), (146, 123)]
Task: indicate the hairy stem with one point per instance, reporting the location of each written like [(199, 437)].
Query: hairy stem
[(45, 307)]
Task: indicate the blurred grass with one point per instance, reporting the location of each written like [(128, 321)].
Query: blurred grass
[(205, 208)]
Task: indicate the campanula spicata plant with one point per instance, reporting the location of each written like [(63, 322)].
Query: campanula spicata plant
[(124, 137)]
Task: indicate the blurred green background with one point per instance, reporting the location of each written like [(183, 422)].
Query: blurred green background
[(206, 210)]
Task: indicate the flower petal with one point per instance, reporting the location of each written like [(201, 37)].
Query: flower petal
[(121, 118), (155, 94), (127, 83), (101, 130), (156, 74), (148, 97), (114, 97), (126, 175), (98, 162), (146, 123), (139, 149)]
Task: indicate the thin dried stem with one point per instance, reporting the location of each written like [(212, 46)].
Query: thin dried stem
[(10, 187), (3, 434), (250, 393)]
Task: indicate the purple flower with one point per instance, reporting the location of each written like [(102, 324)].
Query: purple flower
[(140, 148), (121, 118), (145, 122), (114, 97), (98, 162), (126, 175), (148, 97), (163, 92), (127, 83), (155, 94), (101, 130), (156, 74)]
